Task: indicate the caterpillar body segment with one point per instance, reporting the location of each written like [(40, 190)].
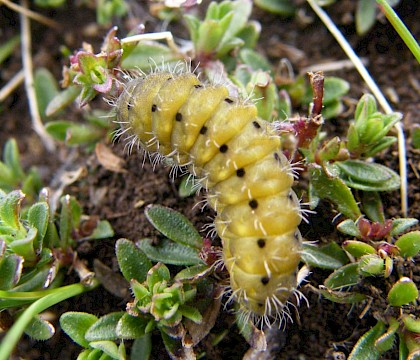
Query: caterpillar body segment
[(237, 158)]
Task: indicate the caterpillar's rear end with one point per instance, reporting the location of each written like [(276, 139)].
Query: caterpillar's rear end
[(238, 159)]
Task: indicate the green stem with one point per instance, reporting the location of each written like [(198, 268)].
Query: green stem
[(15, 332), (400, 28), (28, 295)]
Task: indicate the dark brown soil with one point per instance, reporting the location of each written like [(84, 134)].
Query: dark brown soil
[(322, 330)]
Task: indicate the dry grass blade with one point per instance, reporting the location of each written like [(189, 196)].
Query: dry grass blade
[(29, 81), (13, 83), (31, 14)]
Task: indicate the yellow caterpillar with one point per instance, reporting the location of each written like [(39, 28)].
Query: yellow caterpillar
[(237, 158)]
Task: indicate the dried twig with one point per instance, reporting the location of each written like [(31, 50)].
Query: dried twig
[(376, 92), (31, 14), (29, 81), (13, 83), (330, 66)]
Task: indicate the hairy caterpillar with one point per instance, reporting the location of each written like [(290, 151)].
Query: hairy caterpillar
[(237, 158)]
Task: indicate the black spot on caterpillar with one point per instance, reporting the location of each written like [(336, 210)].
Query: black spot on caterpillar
[(237, 157)]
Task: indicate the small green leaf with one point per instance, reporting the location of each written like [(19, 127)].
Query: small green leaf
[(261, 86), (32, 183), (365, 347), (122, 354), (158, 274), (411, 323), (140, 291), (280, 7), (84, 355), (69, 219), (382, 144), (170, 252), (388, 120), (40, 329), (51, 238), (107, 11), (413, 347), (386, 341), (102, 231), (133, 263), (174, 346), (335, 190), (193, 25), (58, 129), (372, 131), (11, 159), (415, 137), (213, 10), (365, 15), (191, 313), (45, 88), (371, 265), (353, 141), (365, 108), (36, 279), (7, 48), (75, 325), (174, 225), (104, 328), (254, 59), (333, 109), (189, 186), (334, 88), (403, 292), (79, 134), (349, 227), (62, 100), (389, 266), (250, 34), (210, 34), (193, 273), (402, 347), (142, 348), (25, 246), (341, 297), (223, 28), (409, 244), (362, 171), (372, 206), (131, 327), (96, 354), (11, 267), (328, 257), (10, 208), (345, 276), (368, 176), (241, 12), (358, 248), (7, 180), (400, 225), (38, 217), (98, 118), (108, 347), (330, 149)]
